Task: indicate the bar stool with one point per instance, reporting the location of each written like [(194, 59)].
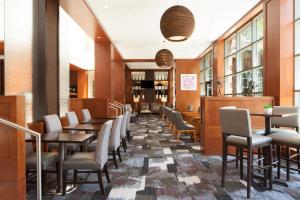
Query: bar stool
[(237, 132)]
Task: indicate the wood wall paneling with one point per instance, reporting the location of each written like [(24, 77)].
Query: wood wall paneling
[(1, 47), (185, 98), (279, 51), (117, 76), (103, 70), (12, 149), (218, 65)]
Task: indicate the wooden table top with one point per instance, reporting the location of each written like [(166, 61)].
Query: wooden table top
[(95, 121), (62, 137), (273, 115), (84, 127)]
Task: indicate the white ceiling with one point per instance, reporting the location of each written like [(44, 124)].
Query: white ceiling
[(143, 65), (133, 25)]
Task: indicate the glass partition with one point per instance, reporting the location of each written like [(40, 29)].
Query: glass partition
[(244, 58)]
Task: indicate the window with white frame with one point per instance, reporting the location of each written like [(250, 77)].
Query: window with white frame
[(206, 75), (244, 58)]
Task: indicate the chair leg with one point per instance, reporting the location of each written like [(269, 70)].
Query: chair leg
[(178, 135), (119, 154), (270, 161), (44, 177), (298, 160), (287, 163), (265, 163), (100, 182), (106, 173), (75, 176), (124, 144), (249, 170), (115, 158), (241, 163), (236, 157), (57, 171), (224, 161), (259, 157), (278, 160), (65, 174)]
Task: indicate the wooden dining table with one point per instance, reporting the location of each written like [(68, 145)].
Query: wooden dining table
[(63, 138), (96, 121), (268, 118), (84, 127)]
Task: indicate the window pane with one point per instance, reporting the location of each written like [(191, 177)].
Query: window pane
[(230, 85), (230, 65), (297, 98), (297, 73), (245, 36), (258, 79), (297, 37), (297, 9), (258, 51), (202, 64), (202, 76), (245, 59), (202, 89), (258, 27), (230, 45), (209, 74), (243, 80)]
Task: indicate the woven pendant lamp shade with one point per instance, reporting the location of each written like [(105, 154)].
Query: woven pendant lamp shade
[(177, 23), (164, 58)]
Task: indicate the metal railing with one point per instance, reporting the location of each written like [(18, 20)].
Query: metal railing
[(122, 106), (38, 153)]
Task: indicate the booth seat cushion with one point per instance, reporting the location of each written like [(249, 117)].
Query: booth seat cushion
[(47, 159), (256, 139), (286, 137), (82, 160)]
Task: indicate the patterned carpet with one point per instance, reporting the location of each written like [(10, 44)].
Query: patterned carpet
[(156, 167)]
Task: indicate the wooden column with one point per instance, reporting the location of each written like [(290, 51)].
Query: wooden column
[(103, 70), (12, 149), (279, 51), (218, 63), (185, 98)]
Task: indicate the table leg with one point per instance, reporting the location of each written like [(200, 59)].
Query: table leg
[(61, 165), (267, 125)]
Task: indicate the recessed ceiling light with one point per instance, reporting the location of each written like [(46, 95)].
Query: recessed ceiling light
[(98, 37), (106, 6)]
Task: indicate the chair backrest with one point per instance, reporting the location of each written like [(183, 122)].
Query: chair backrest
[(145, 106), (190, 108), (235, 122), (72, 118), (53, 124), (172, 117), (292, 122), (128, 106), (128, 119), (116, 132), (178, 120), (86, 114), (155, 107), (101, 152), (124, 124)]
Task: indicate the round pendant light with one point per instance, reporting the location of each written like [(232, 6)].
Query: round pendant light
[(164, 58), (177, 23)]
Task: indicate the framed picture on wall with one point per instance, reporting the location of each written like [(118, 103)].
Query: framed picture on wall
[(188, 82)]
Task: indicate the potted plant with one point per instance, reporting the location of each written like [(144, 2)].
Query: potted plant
[(268, 109)]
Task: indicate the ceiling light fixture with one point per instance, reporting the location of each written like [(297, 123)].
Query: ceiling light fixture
[(106, 6), (164, 58), (98, 37), (177, 23)]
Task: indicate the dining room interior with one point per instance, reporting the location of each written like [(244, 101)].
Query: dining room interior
[(149, 99)]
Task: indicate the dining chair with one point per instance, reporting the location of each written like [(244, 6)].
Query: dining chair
[(53, 125), (286, 134), (133, 115), (181, 126), (115, 139), (124, 129), (72, 118), (48, 159), (237, 132), (90, 162), (86, 114), (128, 125)]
